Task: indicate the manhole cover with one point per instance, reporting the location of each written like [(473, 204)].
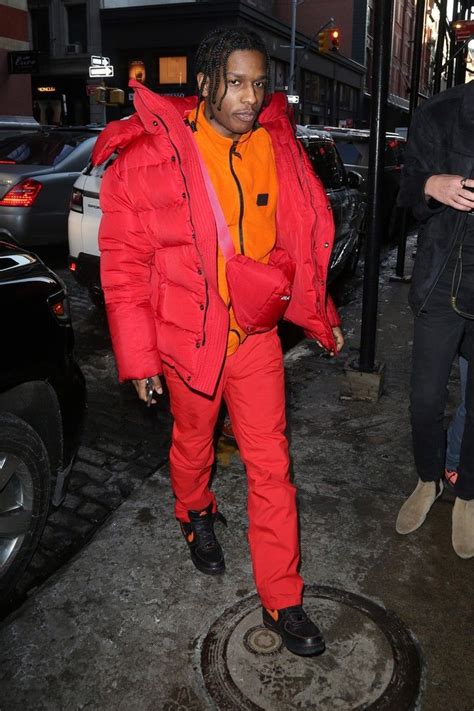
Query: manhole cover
[(371, 661)]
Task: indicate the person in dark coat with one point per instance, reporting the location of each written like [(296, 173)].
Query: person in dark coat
[(438, 184)]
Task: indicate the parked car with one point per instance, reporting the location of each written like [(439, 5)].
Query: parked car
[(42, 405), (37, 172), (342, 188), (347, 201), (353, 147), (13, 125)]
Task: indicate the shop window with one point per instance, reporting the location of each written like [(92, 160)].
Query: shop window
[(136, 70), (316, 88), (278, 75), (347, 98), (173, 70), (40, 29), (77, 26)]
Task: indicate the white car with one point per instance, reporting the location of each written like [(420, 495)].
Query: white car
[(83, 229)]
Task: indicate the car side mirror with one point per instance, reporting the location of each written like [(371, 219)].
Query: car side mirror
[(354, 179)]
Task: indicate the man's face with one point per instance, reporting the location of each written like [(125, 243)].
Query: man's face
[(246, 82)]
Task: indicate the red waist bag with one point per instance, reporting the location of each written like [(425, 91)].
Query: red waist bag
[(259, 293)]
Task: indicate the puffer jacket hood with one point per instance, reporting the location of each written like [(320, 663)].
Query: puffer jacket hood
[(119, 134)]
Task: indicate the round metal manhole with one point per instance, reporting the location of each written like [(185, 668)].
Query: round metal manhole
[(371, 661)]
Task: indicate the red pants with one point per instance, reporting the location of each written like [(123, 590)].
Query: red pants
[(252, 385)]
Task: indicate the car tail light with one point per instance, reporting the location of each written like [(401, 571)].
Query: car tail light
[(76, 201), (72, 264), (7, 162), (22, 195)]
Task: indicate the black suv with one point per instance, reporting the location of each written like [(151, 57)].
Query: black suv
[(42, 405), (343, 190), (353, 147)]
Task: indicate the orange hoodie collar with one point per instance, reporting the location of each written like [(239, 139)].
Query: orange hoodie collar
[(212, 135)]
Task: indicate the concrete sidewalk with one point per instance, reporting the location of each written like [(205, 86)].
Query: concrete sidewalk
[(129, 624)]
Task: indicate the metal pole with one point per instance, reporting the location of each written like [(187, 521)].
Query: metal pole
[(452, 49), (439, 47), (382, 58), (417, 52), (460, 68), (291, 81)]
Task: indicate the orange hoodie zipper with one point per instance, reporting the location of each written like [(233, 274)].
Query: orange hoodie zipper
[(233, 152)]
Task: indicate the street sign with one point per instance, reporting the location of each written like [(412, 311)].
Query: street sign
[(463, 30), (23, 62), (293, 99), (100, 61), (101, 71)]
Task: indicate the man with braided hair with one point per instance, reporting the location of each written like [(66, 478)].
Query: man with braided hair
[(168, 302)]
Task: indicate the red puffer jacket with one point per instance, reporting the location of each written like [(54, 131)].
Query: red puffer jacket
[(158, 242)]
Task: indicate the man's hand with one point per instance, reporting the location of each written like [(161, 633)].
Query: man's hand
[(140, 387), (338, 337), (451, 190)]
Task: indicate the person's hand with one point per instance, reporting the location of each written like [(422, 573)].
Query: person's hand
[(140, 387), (451, 190), (338, 337)]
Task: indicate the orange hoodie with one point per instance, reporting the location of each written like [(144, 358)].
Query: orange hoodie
[(244, 177)]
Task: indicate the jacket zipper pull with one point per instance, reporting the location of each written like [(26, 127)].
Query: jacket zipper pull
[(234, 150)]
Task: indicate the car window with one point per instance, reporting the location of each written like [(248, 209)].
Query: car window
[(41, 148), (327, 163), (353, 153)]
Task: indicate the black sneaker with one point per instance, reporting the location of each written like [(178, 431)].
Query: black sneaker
[(206, 552), (298, 633)]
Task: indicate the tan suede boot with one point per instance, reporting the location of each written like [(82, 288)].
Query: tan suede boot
[(416, 507), (463, 528)]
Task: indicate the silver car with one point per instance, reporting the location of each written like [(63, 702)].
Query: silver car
[(37, 172)]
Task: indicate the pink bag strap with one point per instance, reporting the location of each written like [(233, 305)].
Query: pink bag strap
[(223, 235)]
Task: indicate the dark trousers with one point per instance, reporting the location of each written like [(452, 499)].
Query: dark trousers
[(439, 331)]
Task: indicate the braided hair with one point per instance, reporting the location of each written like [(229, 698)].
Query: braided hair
[(214, 51)]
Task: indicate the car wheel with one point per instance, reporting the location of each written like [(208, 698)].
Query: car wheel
[(25, 481)]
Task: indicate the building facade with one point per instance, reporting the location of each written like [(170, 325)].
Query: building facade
[(166, 35), (65, 33)]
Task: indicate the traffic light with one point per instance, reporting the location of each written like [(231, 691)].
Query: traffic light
[(323, 41), (334, 36), (109, 96)]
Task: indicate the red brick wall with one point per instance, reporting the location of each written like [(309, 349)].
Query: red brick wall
[(14, 23), (15, 89)]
